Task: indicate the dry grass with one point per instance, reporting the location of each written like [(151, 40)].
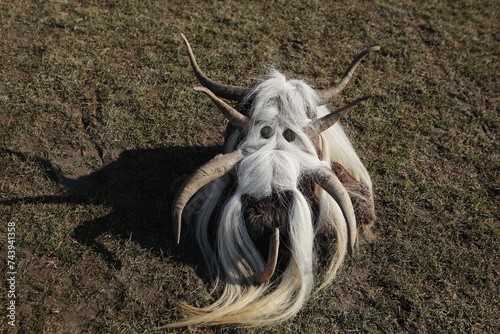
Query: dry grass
[(96, 99)]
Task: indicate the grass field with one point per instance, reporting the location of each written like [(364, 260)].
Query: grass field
[(98, 120)]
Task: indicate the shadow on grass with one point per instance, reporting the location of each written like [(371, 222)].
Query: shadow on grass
[(139, 187)]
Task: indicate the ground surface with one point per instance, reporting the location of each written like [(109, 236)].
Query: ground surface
[(98, 120)]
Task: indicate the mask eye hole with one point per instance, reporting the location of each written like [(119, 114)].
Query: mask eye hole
[(289, 135), (266, 132)]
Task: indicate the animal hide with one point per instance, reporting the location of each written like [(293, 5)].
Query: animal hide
[(288, 193)]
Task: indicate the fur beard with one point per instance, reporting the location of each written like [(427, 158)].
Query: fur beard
[(259, 176)]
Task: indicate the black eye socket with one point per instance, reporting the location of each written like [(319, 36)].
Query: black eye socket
[(266, 132), (289, 135)]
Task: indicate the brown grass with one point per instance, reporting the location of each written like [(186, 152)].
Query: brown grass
[(98, 120)]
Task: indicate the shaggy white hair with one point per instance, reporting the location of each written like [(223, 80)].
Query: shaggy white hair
[(271, 165)]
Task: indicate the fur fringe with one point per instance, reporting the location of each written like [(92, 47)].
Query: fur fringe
[(272, 164)]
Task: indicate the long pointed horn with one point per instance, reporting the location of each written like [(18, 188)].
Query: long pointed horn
[(272, 259), (229, 92), (315, 127), (326, 95), (234, 116), (327, 179), (215, 168)]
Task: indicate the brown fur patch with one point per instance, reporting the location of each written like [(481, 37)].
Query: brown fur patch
[(360, 196)]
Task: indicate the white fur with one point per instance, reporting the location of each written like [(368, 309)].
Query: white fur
[(271, 165)]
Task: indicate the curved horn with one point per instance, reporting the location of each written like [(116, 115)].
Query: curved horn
[(327, 94), (225, 91), (234, 116), (315, 127), (215, 168), (272, 259), (327, 179)]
